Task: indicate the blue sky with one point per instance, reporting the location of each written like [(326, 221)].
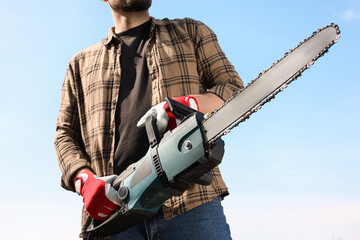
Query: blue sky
[(292, 168)]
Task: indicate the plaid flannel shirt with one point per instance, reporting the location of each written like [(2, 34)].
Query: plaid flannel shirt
[(183, 57)]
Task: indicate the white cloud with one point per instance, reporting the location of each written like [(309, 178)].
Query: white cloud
[(350, 14), (293, 217), (34, 219)]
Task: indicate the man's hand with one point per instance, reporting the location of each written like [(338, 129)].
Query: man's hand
[(99, 197), (165, 119)]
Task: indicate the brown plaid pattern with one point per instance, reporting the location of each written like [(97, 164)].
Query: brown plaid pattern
[(183, 58)]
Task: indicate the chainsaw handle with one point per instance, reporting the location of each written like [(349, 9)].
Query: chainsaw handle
[(179, 110)]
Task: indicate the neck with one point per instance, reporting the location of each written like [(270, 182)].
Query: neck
[(127, 20)]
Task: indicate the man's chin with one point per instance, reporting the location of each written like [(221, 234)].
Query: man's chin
[(130, 5)]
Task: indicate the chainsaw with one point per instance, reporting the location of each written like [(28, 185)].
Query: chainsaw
[(187, 154)]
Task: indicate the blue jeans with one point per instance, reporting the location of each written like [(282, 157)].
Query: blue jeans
[(204, 222)]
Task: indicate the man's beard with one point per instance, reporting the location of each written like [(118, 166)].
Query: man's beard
[(130, 5)]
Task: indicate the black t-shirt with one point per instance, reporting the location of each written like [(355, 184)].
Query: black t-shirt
[(134, 100)]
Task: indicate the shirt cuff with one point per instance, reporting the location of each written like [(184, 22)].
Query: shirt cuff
[(224, 90)]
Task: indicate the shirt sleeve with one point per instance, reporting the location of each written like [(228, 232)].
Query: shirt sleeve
[(216, 72), (69, 146)]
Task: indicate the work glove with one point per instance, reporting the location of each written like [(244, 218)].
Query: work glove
[(99, 197), (165, 120)]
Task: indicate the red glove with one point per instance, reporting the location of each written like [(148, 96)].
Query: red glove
[(165, 119), (99, 197)]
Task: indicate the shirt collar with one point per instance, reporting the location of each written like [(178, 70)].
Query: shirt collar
[(113, 37)]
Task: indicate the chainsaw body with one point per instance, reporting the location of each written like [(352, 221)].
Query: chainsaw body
[(172, 164)]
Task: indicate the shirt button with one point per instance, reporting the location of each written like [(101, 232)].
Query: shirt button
[(114, 102), (111, 132), (117, 75)]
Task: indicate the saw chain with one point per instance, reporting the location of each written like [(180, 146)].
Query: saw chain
[(278, 90)]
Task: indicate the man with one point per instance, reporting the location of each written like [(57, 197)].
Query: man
[(109, 86)]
